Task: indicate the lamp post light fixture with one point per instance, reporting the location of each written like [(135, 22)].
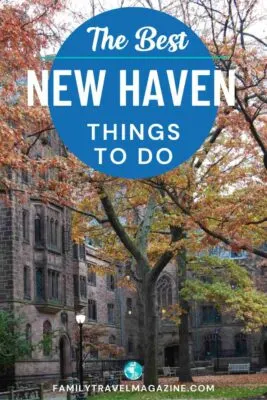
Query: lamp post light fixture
[(80, 319), (129, 312)]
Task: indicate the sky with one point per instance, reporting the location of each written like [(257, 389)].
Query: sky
[(259, 28)]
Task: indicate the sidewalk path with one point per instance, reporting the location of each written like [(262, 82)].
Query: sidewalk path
[(55, 396)]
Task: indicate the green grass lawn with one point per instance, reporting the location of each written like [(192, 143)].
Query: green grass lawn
[(227, 392)]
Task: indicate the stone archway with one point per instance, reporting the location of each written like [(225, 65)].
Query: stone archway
[(65, 357)]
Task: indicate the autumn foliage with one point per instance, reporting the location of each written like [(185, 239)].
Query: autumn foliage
[(216, 197)]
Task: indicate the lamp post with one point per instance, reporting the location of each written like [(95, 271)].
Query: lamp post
[(80, 318), (217, 348)]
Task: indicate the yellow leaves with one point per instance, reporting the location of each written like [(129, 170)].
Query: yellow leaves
[(128, 284), (228, 286), (172, 313)]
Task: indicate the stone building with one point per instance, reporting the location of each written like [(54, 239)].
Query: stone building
[(214, 336), (47, 279)]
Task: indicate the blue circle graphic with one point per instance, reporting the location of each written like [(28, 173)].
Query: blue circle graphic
[(133, 370), (129, 92)]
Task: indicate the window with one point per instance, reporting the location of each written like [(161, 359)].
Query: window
[(110, 282), (130, 345), (210, 315), (40, 283), (28, 337), (56, 234), (75, 251), (93, 354), (66, 238), (241, 344), (82, 251), (25, 225), (238, 254), (129, 305), (164, 291), (91, 277), (224, 252), (24, 177), (47, 338), (92, 311), (63, 239), (75, 285), (206, 279), (38, 229), (26, 282), (112, 339), (212, 344), (111, 316), (64, 290), (53, 284), (83, 291), (48, 238), (52, 233)]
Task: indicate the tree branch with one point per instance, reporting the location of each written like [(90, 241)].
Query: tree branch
[(119, 229), (216, 235), (89, 215)]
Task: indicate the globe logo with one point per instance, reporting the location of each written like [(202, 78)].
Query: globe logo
[(133, 370)]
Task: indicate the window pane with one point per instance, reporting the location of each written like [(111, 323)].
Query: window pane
[(110, 282), (47, 338), (25, 225), (92, 310), (26, 282), (39, 284), (164, 292), (111, 313), (37, 229)]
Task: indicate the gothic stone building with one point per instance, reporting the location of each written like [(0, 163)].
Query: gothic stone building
[(214, 336), (46, 279)]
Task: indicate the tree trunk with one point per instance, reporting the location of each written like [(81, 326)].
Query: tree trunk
[(184, 353), (150, 334)]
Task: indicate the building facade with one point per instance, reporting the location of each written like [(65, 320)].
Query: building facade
[(47, 279)]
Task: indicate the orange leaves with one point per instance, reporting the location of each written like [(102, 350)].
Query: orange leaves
[(95, 337), (26, 28)]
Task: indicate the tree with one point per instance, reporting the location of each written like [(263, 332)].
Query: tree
[(93, 341), (14, 344), (220, 191)]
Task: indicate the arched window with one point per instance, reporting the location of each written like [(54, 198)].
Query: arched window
[(241, 347), (52, 232), (112, 339), (25, 225), (28, 337), (47, 338), (48, 238), (212, 344), (37, 229), (164, 291), (56, 233)]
